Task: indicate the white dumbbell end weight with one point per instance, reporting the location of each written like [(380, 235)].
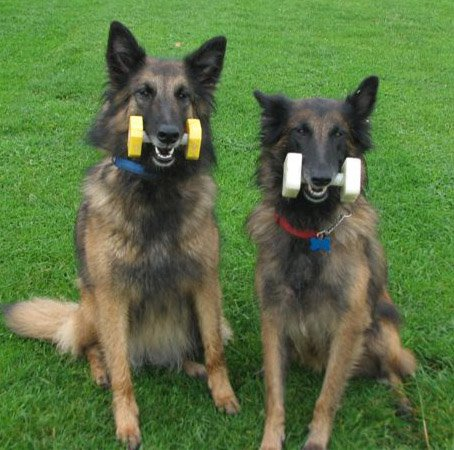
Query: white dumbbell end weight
[(291, 184), (349, 180)]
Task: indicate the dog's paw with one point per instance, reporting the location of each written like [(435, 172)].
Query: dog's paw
[(102, 380), (273, 441), (134, 445), (127, 422), (228, 403), (195, 370), (404, 410), (313, 446), (222, 392), (270, 446), (129, 434)]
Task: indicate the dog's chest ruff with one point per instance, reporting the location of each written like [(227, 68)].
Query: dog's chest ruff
[(311, 336), (159, 266), (163, 330), (146, 246), (316, 282)]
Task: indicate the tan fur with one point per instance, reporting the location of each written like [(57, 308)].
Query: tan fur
[(272, 339), (97, 366)]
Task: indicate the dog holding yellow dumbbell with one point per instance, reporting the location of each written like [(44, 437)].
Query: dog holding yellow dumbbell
[(191, 140), (146, 236), (162, 156)]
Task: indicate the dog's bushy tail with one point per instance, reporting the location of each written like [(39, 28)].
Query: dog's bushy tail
[(43, 318), (405, 364), (226, 331)]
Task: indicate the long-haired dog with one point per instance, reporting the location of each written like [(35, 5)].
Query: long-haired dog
[(146, 237), (321, 273)]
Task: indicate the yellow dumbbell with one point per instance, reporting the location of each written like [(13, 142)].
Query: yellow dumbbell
[(192, 138)]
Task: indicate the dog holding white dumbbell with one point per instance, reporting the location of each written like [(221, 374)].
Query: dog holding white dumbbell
[(321, 272), (349, 180)]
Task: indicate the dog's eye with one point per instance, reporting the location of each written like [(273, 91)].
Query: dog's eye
[(145, 92), (182, 94), (304, 130), (337, 132)]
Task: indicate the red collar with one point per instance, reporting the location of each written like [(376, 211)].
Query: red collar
[(302, 234)]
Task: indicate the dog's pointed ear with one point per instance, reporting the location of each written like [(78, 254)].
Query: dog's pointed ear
[(124, 55), (363, 98), (362, 103), (205, 64), (275, 114), (261, 98)]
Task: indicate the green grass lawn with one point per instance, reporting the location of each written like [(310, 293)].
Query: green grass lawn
[(51, 77)]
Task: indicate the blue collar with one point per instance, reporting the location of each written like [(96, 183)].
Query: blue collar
[(132, 167)]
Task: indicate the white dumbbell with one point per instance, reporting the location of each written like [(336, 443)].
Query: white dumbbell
[(349, 179)]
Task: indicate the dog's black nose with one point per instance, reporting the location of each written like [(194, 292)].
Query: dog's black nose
[(320, 181), (168, 134)]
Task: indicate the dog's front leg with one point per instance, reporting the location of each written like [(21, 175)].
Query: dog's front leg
[(208, 311), (274, 433), (113, 334), (346, 349)]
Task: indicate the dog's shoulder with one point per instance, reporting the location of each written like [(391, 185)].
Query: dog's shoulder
[(362, 224), (261, 223)]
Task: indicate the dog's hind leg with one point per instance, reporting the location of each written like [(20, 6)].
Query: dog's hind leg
[(97, 366), (274, 432), (113, 329), (197, 370), (207, 299), (385, 357), (397, 363), (88, 338), (194, 369)]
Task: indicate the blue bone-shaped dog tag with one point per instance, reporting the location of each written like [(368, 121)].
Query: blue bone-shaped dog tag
[(317, 244)]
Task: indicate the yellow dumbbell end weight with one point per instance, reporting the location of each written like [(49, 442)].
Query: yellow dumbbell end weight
[(194, 131), (135, 136)]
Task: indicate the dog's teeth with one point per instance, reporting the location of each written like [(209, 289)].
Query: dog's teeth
[(163, 160), (163, 157), (314, 195), (316, 192)]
